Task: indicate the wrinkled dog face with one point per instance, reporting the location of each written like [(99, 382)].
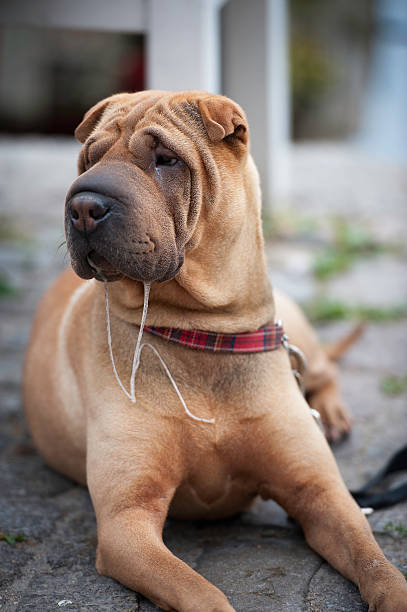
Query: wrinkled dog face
[(133, 209)]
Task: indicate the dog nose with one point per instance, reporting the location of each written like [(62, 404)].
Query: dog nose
[(87, 211)]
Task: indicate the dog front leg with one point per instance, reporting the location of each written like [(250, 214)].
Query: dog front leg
[(131, 550), (297, 469), (335, 527), (131, 495)]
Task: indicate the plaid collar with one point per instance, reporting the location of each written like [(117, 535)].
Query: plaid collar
[(267, 338)]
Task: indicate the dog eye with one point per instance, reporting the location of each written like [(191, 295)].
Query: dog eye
[(166, 160)]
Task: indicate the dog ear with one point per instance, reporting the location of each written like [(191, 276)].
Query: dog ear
[(222, 117), (90, 120), (94, 114)]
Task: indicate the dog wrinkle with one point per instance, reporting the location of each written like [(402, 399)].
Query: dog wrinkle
[(194, 499)]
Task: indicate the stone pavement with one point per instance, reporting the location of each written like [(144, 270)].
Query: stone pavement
[(260, 560)]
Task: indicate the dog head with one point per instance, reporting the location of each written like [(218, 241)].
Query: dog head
[(151, 167)]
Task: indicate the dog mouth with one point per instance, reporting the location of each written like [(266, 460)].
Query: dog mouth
[(103, 269), (118, 261)]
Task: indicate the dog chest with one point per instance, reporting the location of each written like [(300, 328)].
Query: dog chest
[(211, 497)]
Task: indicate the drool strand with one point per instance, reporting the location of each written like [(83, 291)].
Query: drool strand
[(137, 354)]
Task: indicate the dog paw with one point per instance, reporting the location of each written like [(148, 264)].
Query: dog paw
[(210, 606), (389, 593), (392, 602), (335, 416)]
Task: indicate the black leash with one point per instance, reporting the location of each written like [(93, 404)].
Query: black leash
[(366, 496)]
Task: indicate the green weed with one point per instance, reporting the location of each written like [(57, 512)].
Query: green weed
[(331, 262), (327, 309), (6, 288), (399, 530), (393, 385), (350, 243), (12, 540)]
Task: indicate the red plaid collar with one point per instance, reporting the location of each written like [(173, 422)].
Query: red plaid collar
[(267, 338)]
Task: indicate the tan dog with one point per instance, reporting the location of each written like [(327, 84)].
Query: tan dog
[(169, 194)]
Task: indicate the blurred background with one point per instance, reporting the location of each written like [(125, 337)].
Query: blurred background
[(333, 70), (324, 85)]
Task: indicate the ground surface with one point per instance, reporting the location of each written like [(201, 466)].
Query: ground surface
[(259, 560)]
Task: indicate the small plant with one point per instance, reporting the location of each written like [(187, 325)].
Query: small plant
[(393, 385), (331, 262), (6, 289), (350, 243), (354, 239), (12, 540), (398, 531), (380, 315), (327, 309)]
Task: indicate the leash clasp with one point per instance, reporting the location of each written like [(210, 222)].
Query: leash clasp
[(300, 371), (298, 360)]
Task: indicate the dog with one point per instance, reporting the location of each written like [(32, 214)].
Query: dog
[(168, 199)]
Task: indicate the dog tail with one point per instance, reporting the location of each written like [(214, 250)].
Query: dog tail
[(335, 350)]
